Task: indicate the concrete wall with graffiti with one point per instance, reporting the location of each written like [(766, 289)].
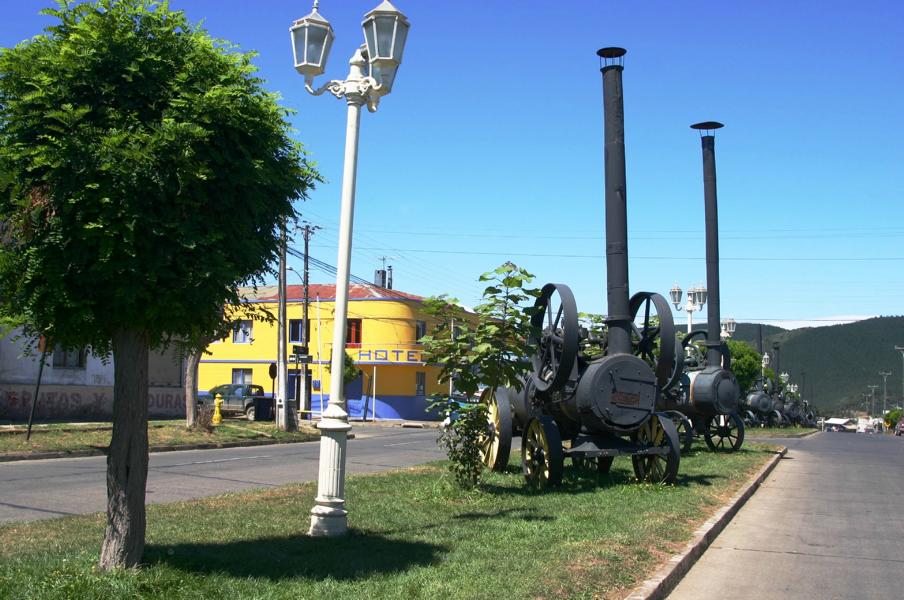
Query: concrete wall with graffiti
[(61, 402), (82, 388)]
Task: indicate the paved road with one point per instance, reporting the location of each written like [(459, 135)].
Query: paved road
[(827, 523), (43, 489)]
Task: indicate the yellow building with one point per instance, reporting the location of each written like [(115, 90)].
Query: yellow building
[(383, 328)]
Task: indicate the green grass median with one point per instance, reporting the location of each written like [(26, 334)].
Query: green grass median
[(413, 534), (71, 437)]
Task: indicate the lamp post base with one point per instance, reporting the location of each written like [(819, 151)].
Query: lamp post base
[(329, 517)]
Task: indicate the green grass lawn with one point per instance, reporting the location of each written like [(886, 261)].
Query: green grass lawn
[(778, 432), (69, 438), (413, 534)]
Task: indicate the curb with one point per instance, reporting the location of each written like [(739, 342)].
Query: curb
[(667, 577), (153, 449)]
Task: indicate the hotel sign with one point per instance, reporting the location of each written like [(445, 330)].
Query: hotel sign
[(381, 355)]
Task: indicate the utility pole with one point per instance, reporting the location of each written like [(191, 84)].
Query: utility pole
[(872, 398), (884, 375), (308, 231), (901, 349), (285, 417)]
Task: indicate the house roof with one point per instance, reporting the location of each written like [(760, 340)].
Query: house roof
[(326, 292)]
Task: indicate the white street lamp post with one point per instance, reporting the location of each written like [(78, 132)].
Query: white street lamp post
[(696, 298), (371, 75)]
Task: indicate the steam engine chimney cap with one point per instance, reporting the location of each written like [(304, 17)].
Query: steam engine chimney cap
[(611, 56), (707, 127)]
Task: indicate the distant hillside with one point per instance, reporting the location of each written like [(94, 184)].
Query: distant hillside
[(751, 332), (839, 360)]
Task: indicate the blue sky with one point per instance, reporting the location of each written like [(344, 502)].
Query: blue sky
[(490, 146)]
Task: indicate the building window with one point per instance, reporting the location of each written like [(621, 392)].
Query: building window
[(241, 376), (295, 331), (241, 332), (292, 385), (353, 333), (69, 359), (420, 330), (420, 385)]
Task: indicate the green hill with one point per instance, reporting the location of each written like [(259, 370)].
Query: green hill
[(839, 360)]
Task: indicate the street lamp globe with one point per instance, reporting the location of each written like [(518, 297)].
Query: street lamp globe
[(385, 31), (700, 295), (312, 38), (731, 326), (675, 294)]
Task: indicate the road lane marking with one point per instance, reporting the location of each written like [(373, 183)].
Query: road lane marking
[(402, 444), (207, 462)]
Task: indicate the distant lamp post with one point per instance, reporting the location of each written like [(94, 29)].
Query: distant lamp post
[(729, 326), (872, 399), (901, 350), (696, 298), (884, 375), (372, 72)]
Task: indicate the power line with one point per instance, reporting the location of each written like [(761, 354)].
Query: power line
[(635, 257)]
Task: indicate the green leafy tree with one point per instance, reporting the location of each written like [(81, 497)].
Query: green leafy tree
[(745, 363), (144, 172), (350, 372), (476, 350)]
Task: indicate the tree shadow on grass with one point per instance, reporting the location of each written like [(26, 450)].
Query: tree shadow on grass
[(355, 556), (523, 514), (685, 480)]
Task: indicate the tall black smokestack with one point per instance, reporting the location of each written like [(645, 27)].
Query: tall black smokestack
[(619, 317), (713, 324)]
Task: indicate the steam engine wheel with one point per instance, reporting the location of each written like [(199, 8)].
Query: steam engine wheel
[(542, 459), (658, 431)]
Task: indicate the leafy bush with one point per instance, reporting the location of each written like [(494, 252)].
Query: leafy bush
[(483, 348), (462, 437)]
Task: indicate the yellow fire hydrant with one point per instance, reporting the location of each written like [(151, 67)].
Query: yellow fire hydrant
[(217, 417)]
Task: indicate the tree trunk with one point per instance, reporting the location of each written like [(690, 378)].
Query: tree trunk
[(192, 361), (127, 461)]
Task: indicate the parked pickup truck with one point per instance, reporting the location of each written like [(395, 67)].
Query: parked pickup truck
[(237, 398)]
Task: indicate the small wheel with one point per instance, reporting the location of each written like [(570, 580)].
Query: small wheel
[(750, 419), (496, 444), (249, 413), (685, 433), (542, 459), (724, 432), (658, 431), (602, 464)]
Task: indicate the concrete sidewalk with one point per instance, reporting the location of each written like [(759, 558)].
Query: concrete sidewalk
[(827, 523)]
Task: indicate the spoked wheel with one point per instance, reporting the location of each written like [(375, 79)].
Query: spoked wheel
[(750, 419), (685, 430), (724, 432), (654, 337), (657, 431), (249, 413), (496, 443), (557, 337), (775, 419), (542, 459)]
